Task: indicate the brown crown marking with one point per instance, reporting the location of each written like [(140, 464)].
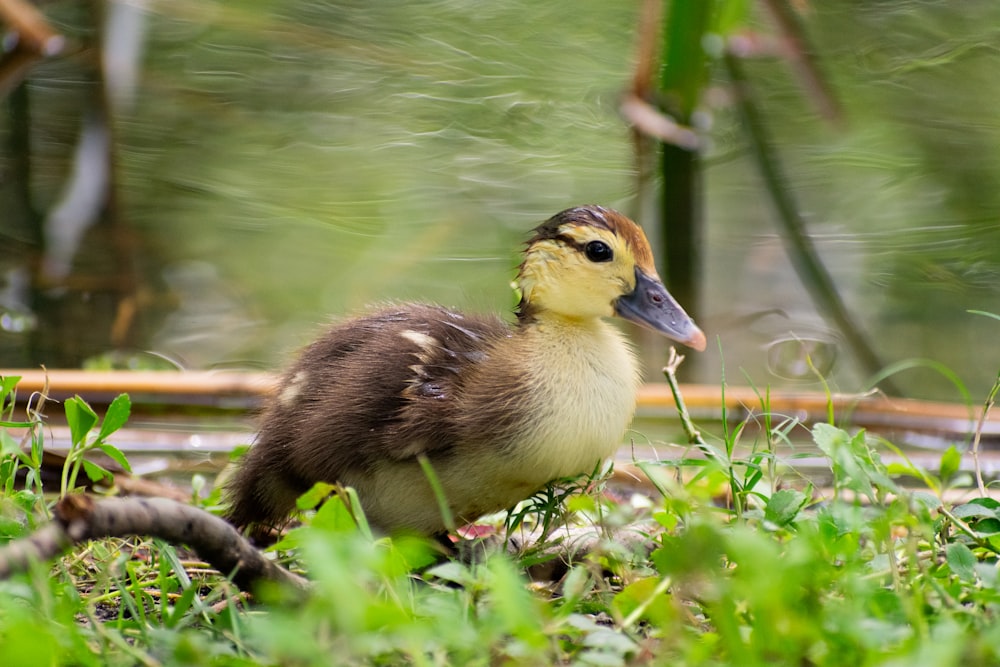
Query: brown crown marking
[(601, 218)]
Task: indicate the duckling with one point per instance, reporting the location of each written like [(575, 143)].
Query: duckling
[(498, 410)]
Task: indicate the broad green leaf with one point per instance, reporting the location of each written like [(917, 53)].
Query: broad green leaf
[(666, 519), (116, 455), (238, 452), (116, 416), (8, 445), (314, 496), (887, 603), (95, 472), (513, 606), (452, 571), (581, 502), (11, 528), (26, 500), (7, 384), (855, 464), (951, 461), (576, 585), (407, 553), (829, 439), (80, 417), (784, 506), (30, 642), (927, 499), (659, 610), (961, 560), (973, 511), (987, 527), (698, 548), (987, 502), (334, 516), (904, 468)]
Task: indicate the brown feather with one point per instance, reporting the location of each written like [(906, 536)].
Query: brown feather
[(358, 400)]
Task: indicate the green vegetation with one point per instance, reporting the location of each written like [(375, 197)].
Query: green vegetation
[(750, 565), (284, 160)]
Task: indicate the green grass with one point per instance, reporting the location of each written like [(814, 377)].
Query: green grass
[(750, 565)]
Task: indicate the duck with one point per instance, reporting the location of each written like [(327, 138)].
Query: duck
[(497, 409)]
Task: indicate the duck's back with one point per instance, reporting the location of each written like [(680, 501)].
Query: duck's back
[(377, 388)]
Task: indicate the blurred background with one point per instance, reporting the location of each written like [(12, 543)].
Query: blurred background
[(205, 184)]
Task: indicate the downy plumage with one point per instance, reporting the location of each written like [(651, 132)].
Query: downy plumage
[(498, 410)]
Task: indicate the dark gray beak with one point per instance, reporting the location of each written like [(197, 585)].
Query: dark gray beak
[(651, 305)]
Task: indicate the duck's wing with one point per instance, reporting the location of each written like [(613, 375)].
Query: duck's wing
[(380, 386)]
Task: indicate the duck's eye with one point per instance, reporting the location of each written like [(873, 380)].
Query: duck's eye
[(598, 251)]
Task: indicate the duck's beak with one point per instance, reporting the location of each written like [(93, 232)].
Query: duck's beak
[(651, 305)]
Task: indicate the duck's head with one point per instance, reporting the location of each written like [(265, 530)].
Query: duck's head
[(590, 262)]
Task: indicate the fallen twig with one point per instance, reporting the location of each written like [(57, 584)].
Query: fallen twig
[(79, 518)]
